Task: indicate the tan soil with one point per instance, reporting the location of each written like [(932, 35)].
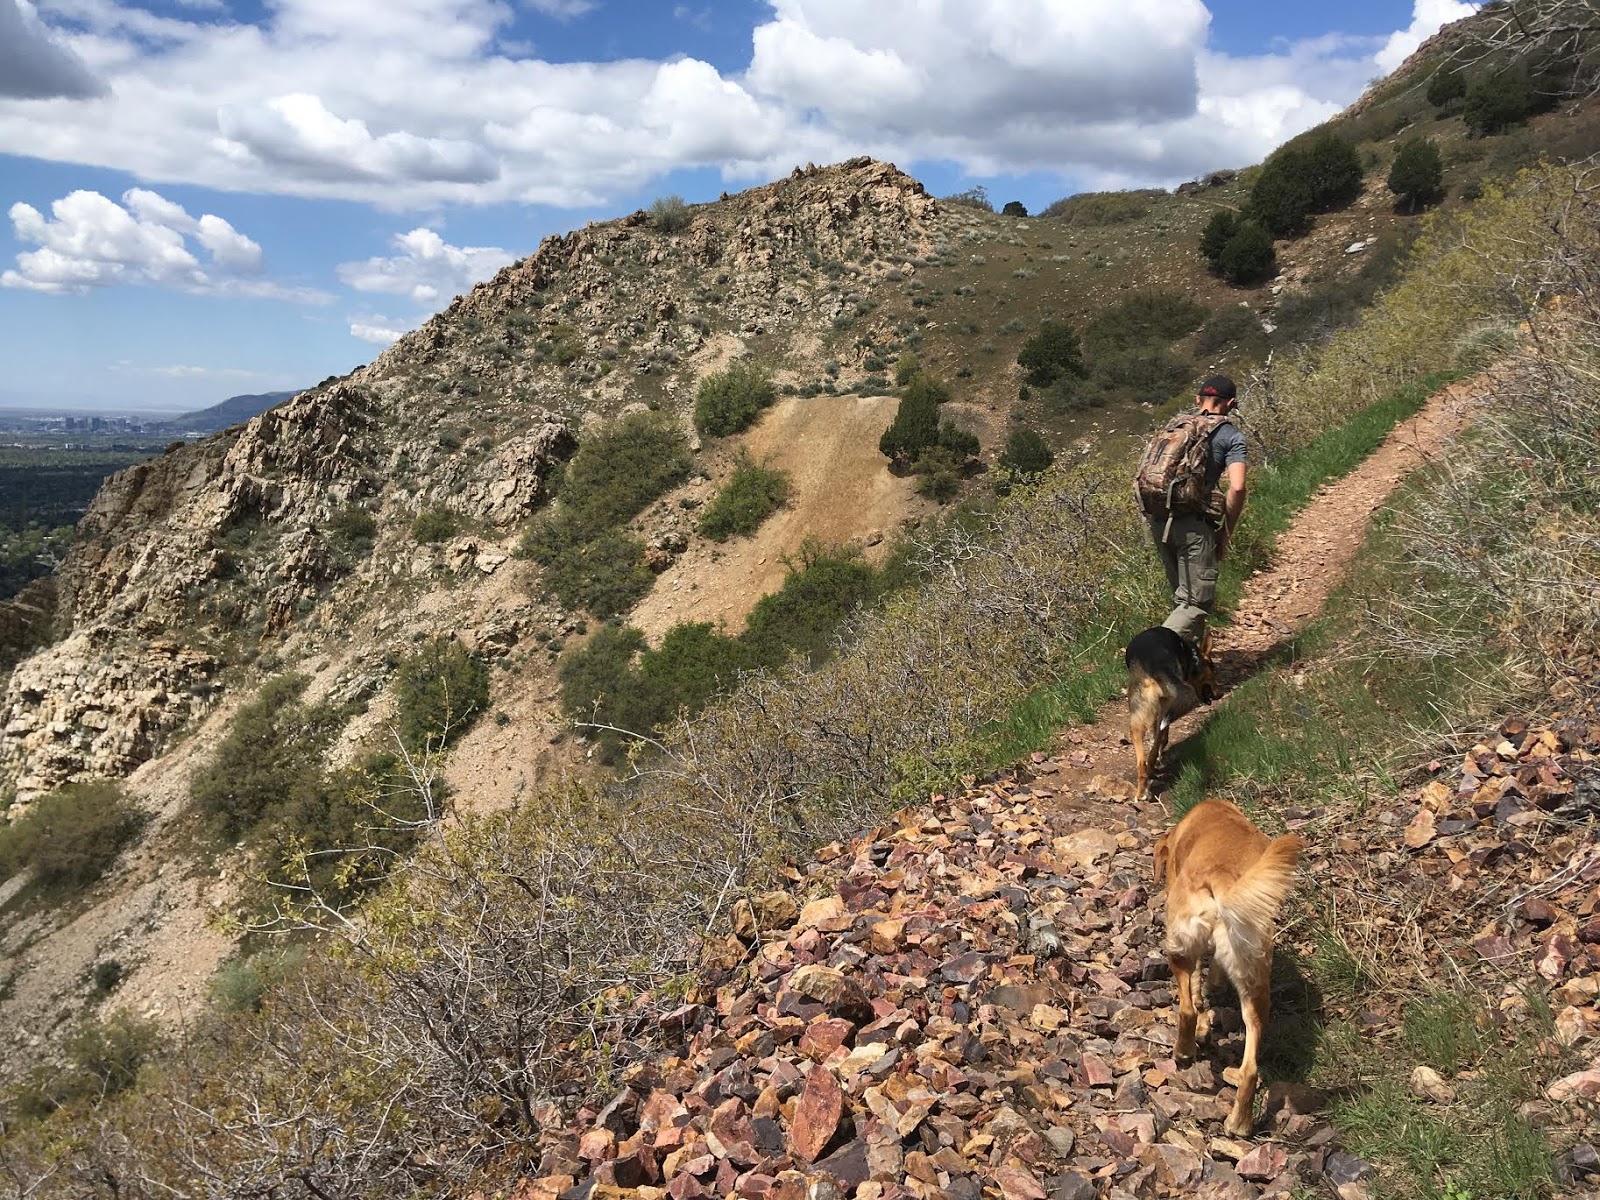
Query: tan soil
[(840, 493)]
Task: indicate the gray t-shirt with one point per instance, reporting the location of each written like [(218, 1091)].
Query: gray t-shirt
[(1227, 448)]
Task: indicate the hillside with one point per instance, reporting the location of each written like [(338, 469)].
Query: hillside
[(231, 411), (621, 962)]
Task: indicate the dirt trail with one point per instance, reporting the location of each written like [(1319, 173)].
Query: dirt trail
[(1283, 598)]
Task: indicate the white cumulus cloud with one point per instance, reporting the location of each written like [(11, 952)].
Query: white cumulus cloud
[(90, 241), (298, 133), (427, 269), (416, 104), (379, 331)]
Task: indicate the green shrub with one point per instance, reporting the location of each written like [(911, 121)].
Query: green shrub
[(563, 347), (353, 528), (805, 614), (751, 495), (1219, 230), (602, 572), (589, 561), (271, 756), (1280, 201), (624, 467), (957, 441), (1102, 208), (1147, 374), (1051, 354), (730, 401), (70, 838), (1234, 324), (916, 421), (439, 691), (905, 369), (242, 983), (107, 974), (1249, 257), (693, 664), (1026, 453), (1334, 172), (670, 214), (435, 525), (939, 474), (1496, 102), (103, 1058), (1445, 87), (1014, 208), (1417, 176), (1143, 319), (592, 676)]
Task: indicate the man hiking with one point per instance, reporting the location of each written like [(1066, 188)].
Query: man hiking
[(1190, 514)]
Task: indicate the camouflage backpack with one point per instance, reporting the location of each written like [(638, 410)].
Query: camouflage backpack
[(1171, 479)]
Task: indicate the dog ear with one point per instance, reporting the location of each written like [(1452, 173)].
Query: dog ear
[(1205, 646), (1161, 857)]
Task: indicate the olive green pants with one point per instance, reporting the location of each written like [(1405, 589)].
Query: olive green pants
[(1188, 549)]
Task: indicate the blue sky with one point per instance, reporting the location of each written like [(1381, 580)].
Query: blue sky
[(207, 197)]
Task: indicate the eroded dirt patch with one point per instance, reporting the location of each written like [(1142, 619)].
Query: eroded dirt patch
[(841, 492)]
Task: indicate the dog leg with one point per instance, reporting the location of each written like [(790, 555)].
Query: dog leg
[(1139, 734), (1255, 999), (1197, 987), (1185, 976)]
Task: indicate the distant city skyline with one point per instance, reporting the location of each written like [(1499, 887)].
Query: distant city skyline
[(213, 197)]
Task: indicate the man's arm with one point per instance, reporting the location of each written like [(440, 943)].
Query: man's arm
[(1234, 506)]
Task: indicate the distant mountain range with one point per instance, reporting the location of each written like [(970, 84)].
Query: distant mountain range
[(230, 412)]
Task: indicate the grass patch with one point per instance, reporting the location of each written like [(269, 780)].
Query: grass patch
[(1479, 1146)]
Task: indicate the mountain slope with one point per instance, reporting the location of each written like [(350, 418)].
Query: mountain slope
[(228, 412)]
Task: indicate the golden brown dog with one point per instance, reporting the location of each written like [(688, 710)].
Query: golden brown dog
[(1167, 673), (1225, 881)]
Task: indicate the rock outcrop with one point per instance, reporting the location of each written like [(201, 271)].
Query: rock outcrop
[(186, 564)]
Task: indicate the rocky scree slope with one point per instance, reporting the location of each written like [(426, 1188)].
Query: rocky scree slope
[(195, 561), (975, 1002)]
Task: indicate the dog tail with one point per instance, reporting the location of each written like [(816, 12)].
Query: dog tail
[(1250, 906)]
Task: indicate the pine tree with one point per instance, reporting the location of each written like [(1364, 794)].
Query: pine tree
[(1248, 258), (1026, 453), (1223, 225), (1050, 354), (1417, 177), (916, 421)]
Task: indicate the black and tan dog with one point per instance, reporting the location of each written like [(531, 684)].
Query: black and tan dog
[(1167, 676)]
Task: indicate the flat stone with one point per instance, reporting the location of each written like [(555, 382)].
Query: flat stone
[(1266, 1161), (817, 1115)]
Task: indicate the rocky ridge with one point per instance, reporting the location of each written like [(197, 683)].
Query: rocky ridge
[(189, 564), (975, 1003)]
